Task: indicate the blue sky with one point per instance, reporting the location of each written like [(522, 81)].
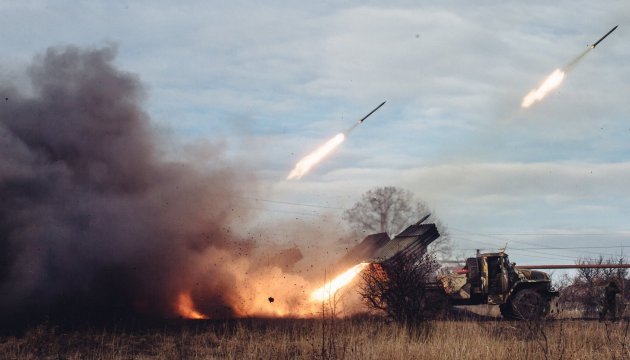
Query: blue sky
[(271, 82)]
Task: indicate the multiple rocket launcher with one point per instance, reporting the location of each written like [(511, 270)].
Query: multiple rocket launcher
[(378, 248), (415, 240)]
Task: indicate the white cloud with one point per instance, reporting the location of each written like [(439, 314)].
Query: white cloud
[(488, 192)]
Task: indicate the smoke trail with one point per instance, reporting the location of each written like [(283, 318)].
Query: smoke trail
[(92, 221), (315, 157), (569, 66)]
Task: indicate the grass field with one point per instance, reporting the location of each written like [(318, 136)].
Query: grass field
[(367, 338)]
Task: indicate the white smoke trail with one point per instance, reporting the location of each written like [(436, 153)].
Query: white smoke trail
[(306, 163)]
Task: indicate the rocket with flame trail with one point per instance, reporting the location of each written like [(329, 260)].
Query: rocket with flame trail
[(307, 162), (557, 76)]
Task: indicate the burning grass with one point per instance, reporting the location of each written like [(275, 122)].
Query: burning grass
[(366, 338)]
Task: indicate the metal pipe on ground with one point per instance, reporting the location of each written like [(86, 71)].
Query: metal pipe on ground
[(576, 266)]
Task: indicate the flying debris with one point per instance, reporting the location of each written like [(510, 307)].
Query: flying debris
[(603, 37), (383, 103)]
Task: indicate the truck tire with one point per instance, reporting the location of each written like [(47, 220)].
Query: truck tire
[(528, 304), (506, 311)]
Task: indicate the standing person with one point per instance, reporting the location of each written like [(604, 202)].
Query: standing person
[(610, 300)]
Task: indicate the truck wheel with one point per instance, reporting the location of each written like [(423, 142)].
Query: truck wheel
[(528, 304), (506, 311)]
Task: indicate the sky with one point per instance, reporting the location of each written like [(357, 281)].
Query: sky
[(270, 82)]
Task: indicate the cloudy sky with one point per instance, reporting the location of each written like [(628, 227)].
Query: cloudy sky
[(271, 82)]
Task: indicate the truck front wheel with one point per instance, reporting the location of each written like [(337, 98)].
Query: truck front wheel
[(506, 311), (528, 304)]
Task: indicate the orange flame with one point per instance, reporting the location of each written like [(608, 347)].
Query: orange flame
[(306, 163), (186, 307), (551, 82), (330, 288)]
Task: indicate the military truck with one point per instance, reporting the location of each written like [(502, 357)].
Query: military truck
[(487, 278), (521, 292), (490, 278)]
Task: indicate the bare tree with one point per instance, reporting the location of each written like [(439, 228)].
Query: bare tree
[(391, 209), (585, 291), (402, 287)]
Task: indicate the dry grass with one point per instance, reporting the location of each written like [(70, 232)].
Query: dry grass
[(346, 339)]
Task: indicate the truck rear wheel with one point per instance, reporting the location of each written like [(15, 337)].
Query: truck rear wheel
[(528, 304)]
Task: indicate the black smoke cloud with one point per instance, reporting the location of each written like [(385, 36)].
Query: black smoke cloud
[(92, 220)]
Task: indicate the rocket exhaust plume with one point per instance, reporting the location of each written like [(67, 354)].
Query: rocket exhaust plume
[(551, 82), (557, 76), (329, 289), (306, 163)]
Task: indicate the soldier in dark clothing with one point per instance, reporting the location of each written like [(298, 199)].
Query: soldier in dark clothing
[(610, 301)]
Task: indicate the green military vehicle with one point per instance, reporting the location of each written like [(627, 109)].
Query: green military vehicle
[(491, 279)]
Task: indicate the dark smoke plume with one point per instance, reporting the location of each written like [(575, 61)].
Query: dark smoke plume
[(92, 221)]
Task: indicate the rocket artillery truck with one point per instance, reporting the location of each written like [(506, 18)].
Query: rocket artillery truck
[(488, 278), (521, 292)]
